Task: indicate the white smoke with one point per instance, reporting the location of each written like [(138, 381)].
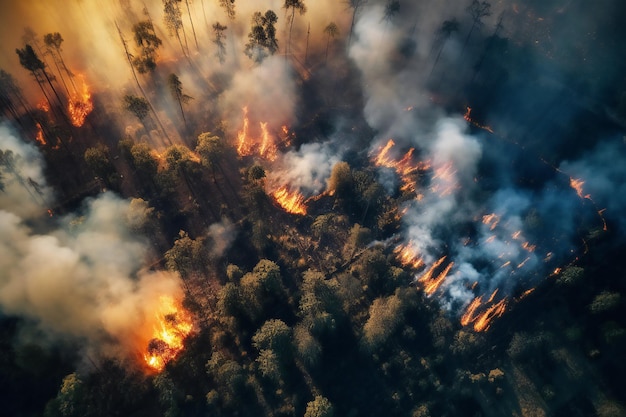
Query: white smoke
[(83, 280)]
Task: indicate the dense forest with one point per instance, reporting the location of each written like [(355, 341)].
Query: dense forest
[(312, 208)]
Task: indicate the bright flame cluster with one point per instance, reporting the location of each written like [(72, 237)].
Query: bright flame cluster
[(173, 324), (264, 146), (80, 106), (291, 201), (406, 167)]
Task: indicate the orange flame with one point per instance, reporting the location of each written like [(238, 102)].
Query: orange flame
[(491, 220), (483, 320), (267, 149), (80, 105), (173, 324), (265, 145), (406, 167), (577, 185), (291, 201), (40, 137), (408, 256), (432, 284)]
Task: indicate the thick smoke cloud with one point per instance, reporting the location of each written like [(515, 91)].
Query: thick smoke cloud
[(307, 168), (472, 206), (82, 280), (25, 191)]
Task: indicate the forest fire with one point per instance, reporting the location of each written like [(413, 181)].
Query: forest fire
[(406, 167), (290, 201), (444, 180), (80, 106), (482, 320), (40, 138), (265, 146), (468, 118), (430, 284), (577, 185), (172, 325), (408, 256)]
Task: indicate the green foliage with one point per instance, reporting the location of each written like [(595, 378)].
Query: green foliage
[(604, 302), (262, 37), (233, 273), (255, 173), (308, 349), (269, 365), (341, 181), (187, 255), (97, 159), (319, 407), (571, 276), (138, 106), (210, 148), (274, 335), (146, 38), (385, 316)]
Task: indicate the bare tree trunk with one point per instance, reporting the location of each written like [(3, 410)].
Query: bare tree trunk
[(193, 29)]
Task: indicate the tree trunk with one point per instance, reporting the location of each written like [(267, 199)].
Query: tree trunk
[(193, 29)]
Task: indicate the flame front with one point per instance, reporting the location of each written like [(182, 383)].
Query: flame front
[(406, 168), (431, 284), (172, 325), (80, 106), (265, 146), (408, 256), (291, 201), (481, 316)]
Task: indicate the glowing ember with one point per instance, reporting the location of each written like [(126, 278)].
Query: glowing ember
[(577, 184), (173, 324), (408, 256), (80, 106), (40, 137), (432, 284), (491, 220), (243, 147), (291, 201), (468, 118)]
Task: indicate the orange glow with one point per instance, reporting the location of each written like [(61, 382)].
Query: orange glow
[(432, 284), (446, 183), (267, 149), (80, 105), (291, 201), (468, 117), (264, 146), (483, 319), (406, 167), (527, 246), (172, 325), (243, 147), (577, 185), (491, 220), (40, 137), (408, 256)]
